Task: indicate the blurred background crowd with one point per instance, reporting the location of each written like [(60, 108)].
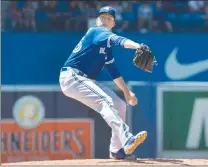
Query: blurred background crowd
[(77, 16)]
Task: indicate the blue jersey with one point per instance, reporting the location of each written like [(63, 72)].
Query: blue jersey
[(94, 52)]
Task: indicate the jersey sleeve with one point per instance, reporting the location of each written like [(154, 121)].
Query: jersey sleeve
[(108, 39), (109, 58), (111, 65)]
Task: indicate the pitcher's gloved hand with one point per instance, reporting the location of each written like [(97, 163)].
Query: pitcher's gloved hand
[(144, 59)]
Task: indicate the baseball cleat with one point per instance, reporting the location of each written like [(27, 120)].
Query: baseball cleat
[(121, 155), (134, 141)]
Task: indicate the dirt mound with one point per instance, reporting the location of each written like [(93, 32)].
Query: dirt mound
[(148, 162)]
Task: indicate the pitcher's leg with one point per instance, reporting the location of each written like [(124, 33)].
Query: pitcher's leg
[(87, 92), (134, 141), (120, 105)]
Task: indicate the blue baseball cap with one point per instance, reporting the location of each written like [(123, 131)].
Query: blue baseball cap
[(109, 10)]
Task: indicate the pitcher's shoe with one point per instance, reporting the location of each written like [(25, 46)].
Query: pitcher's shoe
[(121, 155), (134, 141)]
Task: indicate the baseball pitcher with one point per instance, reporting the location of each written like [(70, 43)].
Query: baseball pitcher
[(78, 80)]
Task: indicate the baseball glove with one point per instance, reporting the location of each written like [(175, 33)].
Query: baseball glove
[(144, 59)]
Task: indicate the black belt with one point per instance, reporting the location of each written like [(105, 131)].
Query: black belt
[(78, 72)]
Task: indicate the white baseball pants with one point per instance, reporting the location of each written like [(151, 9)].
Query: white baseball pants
[(101, 99)]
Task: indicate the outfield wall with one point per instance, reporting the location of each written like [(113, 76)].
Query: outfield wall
[(39, 122)]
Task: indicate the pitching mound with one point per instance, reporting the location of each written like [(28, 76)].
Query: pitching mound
[(148, 162)]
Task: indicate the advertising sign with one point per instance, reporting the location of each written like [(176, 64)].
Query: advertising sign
[(182, 121), (177, 61), (51, 140)]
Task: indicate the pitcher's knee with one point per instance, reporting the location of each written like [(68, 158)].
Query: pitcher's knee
[(122, 109), (65, 93), (123, 105)]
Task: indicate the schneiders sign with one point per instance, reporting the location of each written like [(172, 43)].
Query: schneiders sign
[(52, 139), (31, 136)]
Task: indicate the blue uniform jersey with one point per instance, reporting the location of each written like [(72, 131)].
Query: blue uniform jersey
[(94, 52)]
